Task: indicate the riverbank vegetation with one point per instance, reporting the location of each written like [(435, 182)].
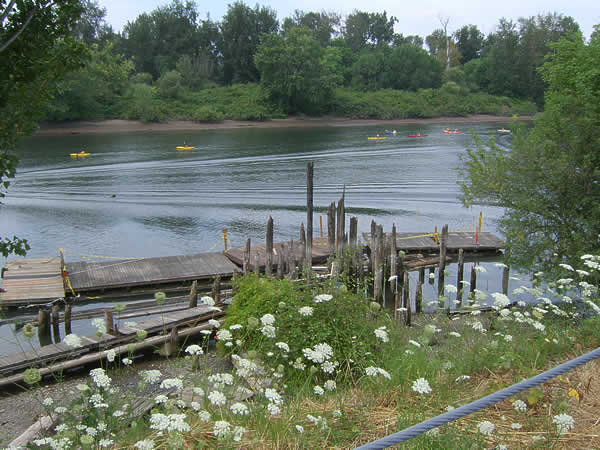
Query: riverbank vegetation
[(315, 364), (172, 64)]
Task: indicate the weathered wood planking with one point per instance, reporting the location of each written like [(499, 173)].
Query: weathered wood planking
[(320, 253), (61, 351), (417, 242), (32, 280), (86, 276)]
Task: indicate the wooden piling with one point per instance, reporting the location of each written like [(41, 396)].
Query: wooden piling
[(378, 264), (68, 308), (56, 323), (406, 299), (291, 261), (321, 226), (353, 232), (44, 327), (303, 247), (216, 289), (422, 275), (443, 248), (246, 263), (280, 264), (459, 277), (419, 298), (109, 321), (309, 210), (171, 344), (193, 298), (473, 281), (394, 273), (340, 228), (506, 272), (269, 247), (331, 227)]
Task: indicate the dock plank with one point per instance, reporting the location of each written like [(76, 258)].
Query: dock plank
[(32, 280), (419, 243)]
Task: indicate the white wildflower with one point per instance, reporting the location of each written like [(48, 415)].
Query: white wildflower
[(147, 444), (300, 428), (239, 409), (318, 390), (150, 376), (330, 385), (110, 354), (72, 340), (221, 429), (268, 331), (273, 396), (267, 319), (322, 298), (564, 423), (382, 334), (306, 311), (415, 343), (283, 346), (273, 409), (520, 405), (486, 427), (421, 386), (217, 398)]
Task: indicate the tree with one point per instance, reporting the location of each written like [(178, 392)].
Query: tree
[(36, 51), (91, 28), (438, 43), (324, 26), (469, 42), (297, 72), (242, 29), (364, 29), (548, 180)]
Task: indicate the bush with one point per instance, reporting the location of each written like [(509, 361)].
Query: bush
[(207, 114), (330, 316), (169, 85)]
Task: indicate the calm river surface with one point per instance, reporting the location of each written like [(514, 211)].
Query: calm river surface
[(136, 196)]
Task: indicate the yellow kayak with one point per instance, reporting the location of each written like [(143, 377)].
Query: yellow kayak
[(503, 130), (185, 147), (376, 138), (79, 155)]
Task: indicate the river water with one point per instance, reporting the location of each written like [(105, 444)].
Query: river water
[(136, 196)]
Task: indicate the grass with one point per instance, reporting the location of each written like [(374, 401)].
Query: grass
[(361, 385)]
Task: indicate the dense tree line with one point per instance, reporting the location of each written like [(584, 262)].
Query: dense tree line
[(171, 53)]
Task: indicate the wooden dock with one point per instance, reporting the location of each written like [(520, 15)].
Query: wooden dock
[(86, 277), (32, 281), (53, 353), (425, 243), (320, 253)]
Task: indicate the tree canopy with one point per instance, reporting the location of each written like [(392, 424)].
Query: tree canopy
[(549, 178), (36, 51)]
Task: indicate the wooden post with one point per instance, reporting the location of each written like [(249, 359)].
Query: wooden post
[(280, 263), (44, 327), (459, 277), (171, 344), (269, 247), (309, 210), (441, 275), (108, 321), (354, 232), (216, 290), (406, 300), (303, 247), (246, 264), (506, 272), (419, 298), (422, 275), (225, 238), (68, 308), (340, 228), (193, 298), (56, 323), (473, 281), (292, 260), (394, 272), (321, 225), (331, 228), (378, 264)]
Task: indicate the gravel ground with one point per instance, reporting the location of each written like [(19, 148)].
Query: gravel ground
[(20, 408)]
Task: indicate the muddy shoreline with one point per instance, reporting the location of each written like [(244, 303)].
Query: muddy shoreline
[(132, 126)]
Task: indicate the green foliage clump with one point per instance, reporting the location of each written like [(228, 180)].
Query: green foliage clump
[(169, 85), (207, 114), (344, 322)]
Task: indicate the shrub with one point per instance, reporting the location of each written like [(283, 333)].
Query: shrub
[(207, 114)]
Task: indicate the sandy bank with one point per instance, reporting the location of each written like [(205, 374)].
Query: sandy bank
[(128, 126)]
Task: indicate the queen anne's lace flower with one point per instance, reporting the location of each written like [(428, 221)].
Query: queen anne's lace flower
[(267, 319), (268, 331), (239, 409), (564, 423), (217, 398), (100, 378), (319, 353), (72, 340), (306, 311), (273, 396), (221, 429), (330, 385), (421, 386), (150, 376), (318, 390), (486, 427), (322, 298), (382, 334)]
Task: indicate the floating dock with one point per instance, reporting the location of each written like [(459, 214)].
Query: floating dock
[(27, 281), (425, 243)]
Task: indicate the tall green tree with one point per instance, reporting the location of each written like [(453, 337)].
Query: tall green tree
[(297, 72), (548, 180), (324, 26), (469, 42), (443, 47), (373, 30), (242, 31), (36, 51)]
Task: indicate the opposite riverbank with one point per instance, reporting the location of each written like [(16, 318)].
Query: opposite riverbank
[(134, 126)]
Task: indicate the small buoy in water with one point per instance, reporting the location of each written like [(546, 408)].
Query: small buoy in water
[(114, 195)]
